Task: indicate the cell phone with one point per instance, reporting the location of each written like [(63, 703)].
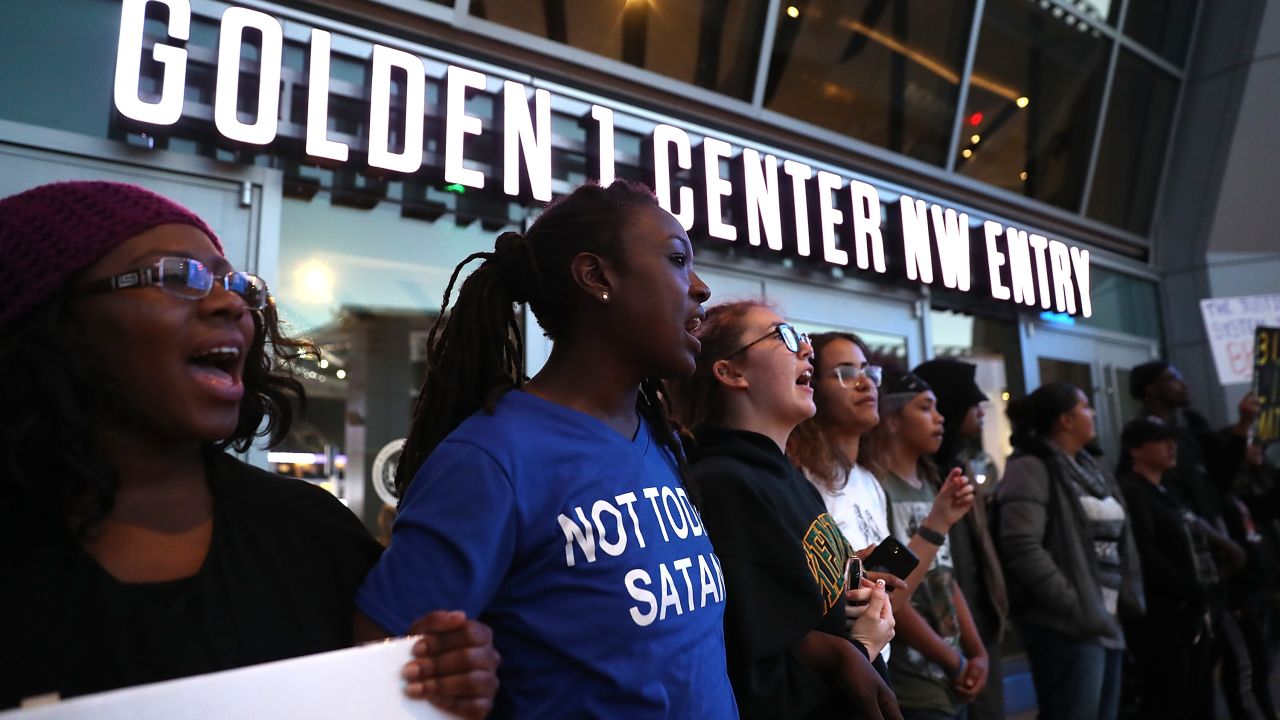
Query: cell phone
[(893, 557), (853, 573)]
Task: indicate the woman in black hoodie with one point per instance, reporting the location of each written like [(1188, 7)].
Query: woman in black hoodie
[(791, 653)]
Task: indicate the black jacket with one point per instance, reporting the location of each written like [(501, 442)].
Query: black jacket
[(783, 561), (1174, 595)]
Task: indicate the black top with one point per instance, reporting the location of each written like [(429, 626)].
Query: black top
[(1208, 462), (279, 581), (783, 561), (1167, 548)]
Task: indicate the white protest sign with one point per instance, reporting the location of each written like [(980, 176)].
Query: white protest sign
[(362, 682), (1229, 324)]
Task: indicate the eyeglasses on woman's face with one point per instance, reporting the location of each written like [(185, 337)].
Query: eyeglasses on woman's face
[(188, 279), (849, 375), (790, 337)]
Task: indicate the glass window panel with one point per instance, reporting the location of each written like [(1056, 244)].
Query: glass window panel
[(1134, 139), (1124, 303), (714, 44), (59, 64), (884, 72), (992, 346), (1067, 371), (1033, 101), (887, 350), (1162, 25)]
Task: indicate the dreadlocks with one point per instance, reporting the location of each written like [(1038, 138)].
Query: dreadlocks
[(475, 352)]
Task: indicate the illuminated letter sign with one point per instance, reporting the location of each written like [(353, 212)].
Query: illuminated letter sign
[(457, 124), (1020, 278), (318, 142), (800, 175), (226, 111), (602, 149), (1022, 266), (520, 137), (952, 234), (760, 205), (915, 239), (1080, 261), (868, 240), (829, 217), (665, 136), (716, 187), (1038, 244), (168, 108), (995, 260), (409, 159)]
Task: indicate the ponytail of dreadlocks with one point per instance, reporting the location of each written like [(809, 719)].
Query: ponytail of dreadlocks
[(475, 352)]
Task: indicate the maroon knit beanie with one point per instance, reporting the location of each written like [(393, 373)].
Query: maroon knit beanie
[(49, 233)]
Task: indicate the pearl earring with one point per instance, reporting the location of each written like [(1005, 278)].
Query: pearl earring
[(604, 296)]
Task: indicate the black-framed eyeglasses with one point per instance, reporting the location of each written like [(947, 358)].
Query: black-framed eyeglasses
[(790, 337), (848, 375), (188, 279)]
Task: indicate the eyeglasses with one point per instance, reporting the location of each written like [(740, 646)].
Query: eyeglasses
[(188, 279), (790, 337), (848, 375)]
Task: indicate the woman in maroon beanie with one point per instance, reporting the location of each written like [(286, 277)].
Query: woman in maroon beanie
[(133, 549)]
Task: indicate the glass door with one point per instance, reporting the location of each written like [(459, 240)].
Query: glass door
[(1097, 364)]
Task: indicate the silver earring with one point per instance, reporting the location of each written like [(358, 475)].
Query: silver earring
[(604, 296)]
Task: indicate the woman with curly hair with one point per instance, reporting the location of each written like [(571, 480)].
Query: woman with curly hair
[(133, 548)]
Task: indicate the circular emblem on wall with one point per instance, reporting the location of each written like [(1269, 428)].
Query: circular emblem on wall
[(384, 471)]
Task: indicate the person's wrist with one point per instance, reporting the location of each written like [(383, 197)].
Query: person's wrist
[(930, 535), (961, 663)]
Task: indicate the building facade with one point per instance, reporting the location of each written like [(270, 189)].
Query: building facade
[(1045, 187)]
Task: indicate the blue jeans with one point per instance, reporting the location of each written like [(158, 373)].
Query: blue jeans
[(1074, 679)]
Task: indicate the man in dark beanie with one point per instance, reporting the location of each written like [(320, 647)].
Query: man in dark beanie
[(1208, 462), (973, 555)]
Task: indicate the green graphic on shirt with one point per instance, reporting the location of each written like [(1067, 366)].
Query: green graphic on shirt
[(826, 551)]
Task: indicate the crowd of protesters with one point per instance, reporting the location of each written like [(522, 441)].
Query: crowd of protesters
[(662, 522)]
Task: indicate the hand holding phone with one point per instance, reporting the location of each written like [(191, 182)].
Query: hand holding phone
[(893, 557), (853, 573)]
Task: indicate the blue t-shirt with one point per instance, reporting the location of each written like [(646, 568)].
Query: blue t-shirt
[(580, 549)]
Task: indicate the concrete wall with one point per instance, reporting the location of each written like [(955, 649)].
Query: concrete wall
[(1217, 232)]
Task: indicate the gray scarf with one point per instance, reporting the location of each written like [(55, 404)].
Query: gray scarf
[(1084, 471)]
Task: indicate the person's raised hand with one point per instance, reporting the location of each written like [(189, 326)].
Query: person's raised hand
[(953, 501), (1249, 409), (454, 665)]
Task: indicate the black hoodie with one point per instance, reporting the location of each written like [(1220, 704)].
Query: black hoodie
[(783, 561)]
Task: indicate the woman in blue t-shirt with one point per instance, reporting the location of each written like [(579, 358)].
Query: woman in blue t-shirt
[(553, 509)]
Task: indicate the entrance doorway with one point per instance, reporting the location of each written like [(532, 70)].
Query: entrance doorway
[(1097, 363)]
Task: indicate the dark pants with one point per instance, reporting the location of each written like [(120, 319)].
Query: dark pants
[(1074, 679), (1244, 686), (1174, 661), (918, 714)]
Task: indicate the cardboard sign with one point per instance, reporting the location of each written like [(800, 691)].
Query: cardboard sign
[(1266, 382), (1229, 324), (362, 682)]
